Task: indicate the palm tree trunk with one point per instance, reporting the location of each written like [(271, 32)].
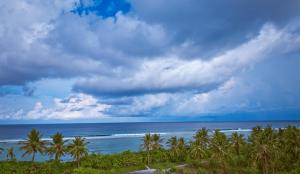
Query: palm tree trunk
[(238, 149), (33, 157), (265, 169), (224, 167), (148, 157)]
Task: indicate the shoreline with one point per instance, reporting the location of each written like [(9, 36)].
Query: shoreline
[(205, 152), (95, 141)]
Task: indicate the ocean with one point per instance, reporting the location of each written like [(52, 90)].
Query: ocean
[(107, 138)]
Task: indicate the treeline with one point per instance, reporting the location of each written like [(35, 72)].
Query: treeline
[(55, 148), (265, 151)]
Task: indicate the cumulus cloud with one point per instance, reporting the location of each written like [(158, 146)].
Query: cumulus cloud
[(220, 100), (25, 56), (79, 106), (237, 95), (111, 40), (149, 104)]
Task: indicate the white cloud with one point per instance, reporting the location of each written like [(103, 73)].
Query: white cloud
[(147, 103), (79, 106), (220, 100), (12, 115), (39, 37)]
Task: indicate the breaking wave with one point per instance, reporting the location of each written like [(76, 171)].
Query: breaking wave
[(128, 135)]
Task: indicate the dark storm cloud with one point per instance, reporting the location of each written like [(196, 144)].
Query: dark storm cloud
[(215, 25), (119, 90)]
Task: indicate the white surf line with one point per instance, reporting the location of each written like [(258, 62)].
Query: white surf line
[(131, 135)]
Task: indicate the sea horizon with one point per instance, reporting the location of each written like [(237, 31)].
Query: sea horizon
[(166, 121), (110, 138)]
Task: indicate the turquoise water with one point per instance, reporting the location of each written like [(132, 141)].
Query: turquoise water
[(109, 138)]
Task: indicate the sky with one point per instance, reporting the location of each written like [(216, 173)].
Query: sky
[(149, 60)]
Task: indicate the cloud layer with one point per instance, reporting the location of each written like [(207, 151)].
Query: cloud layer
[(147, 58), (172, 74)]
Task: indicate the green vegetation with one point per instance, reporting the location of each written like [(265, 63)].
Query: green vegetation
[(57, 147), (151, 143), (33, 144), (266, 151), (78, 149), (10, 154)]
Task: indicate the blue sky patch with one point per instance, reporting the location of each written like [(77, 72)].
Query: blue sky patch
[(103, 8)]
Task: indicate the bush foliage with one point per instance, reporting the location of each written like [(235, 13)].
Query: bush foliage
[(265, 151)]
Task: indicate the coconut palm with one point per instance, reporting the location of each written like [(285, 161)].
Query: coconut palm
[(57, 147), (173, 145), (262, 157), (269, 136), (256, 135), (237, 140), (33, 144), (78, 149), (202, 136), (156, 142), (200, 143), (147, 146), (291, 143), (264, 148), (219, 146), (181, 148), (10, 154)]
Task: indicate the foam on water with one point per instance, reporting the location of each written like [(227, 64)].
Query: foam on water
[(127, 135)]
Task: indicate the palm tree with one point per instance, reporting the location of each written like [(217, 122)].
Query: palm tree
[(263, 145), (156, 142), (256, 135), (262, 157), (78, 149), (219, 145), (57, 147), (147, 145), (237, 140), (181, 148), (177, 148), (290, 144), (10, 154), (33, 144), (173, 145), (200, 143)]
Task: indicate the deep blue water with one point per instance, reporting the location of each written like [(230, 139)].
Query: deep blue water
[(116, 137)]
